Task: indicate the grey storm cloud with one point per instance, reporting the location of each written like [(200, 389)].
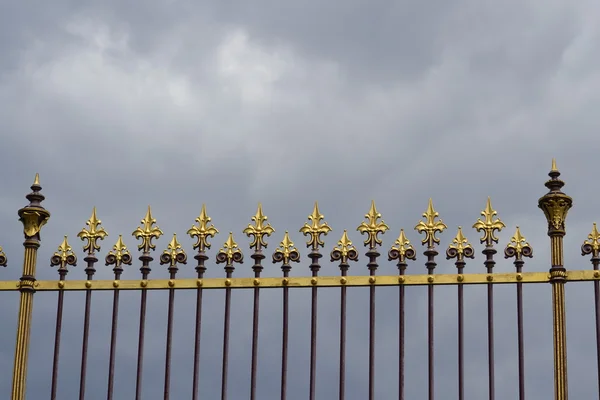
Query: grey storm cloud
[(120, 104)]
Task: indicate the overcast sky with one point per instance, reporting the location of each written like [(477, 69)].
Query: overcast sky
[(120, 104)]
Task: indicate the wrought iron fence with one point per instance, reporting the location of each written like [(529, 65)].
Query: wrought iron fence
[(555, 205)]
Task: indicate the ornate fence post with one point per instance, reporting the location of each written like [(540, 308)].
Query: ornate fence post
[(556, 205), (33, 217)]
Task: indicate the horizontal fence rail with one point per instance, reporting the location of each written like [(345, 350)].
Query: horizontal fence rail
[(555, 205)]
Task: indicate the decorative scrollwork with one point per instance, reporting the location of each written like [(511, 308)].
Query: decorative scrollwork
[(93, 234), (372, 228), (119, 254), (174, 254), (345, 250), (555, 204), (286, 251), (315, 229), (518, 247), (3, 258), (147, 233), (230, 252), (259, 230), (64, 256), (460, 247), (592, 245), (489, 225), (402, 250), (202, 231), (430, 226)]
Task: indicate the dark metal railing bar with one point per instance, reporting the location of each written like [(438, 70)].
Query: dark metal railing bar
[(145, 269), (225, 342), (90, 270), (430, 253), (168, 349), (314, 267), (201, 257), (257, 256), (489, 263), (284, 339)]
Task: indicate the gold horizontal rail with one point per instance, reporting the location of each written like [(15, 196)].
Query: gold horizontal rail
[(322, 281)]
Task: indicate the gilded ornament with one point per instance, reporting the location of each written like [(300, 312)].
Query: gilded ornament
[(230, 252), (430, 226), (174, 254), (402, 249), (373, 227), (460, 247), (592, 245), (518, 247), (64, 256), (315, 229), (93, 234), (286, 251), (489, 225), (555, 204), (259, 229), (345, 250), (119, 254), (3, 259), (147, 233), (202, 231)]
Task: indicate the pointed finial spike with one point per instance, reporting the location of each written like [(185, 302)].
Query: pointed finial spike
[(36, 180), (554, 165)]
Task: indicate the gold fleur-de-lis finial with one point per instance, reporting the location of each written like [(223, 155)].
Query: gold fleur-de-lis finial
[(202, 231), (174, 254), (286, 251), (3, 259), (430, 226), (119, 255), (345, 250), (518, 247), (92, 234), (64, 256), (259, 229), (315, 229), (489, 225), (402, 250), (460, 247), (230, 252), (147, 233), (372, 228), (592, 245)]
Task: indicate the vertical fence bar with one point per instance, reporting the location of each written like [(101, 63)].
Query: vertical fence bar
[(201, 232), (344, 252), (33, 217), (401, 251), (285, 253), (258, 231), (459, 249), (372, 228), (145, 233), (430, 227), (63, 257), (229, 254), (519, 248), (173, 255), (556, 205), (314, 230), (592, 246), (117, 257)]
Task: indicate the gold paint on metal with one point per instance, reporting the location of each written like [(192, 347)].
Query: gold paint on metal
[(403, 246), (430, 279), (372, 280), (65, 255), (285, 281), (256, 282), (460, 278), (460, 247), (199, 283), (315, 229), (230, 249), (3, 259), (519, 276), (33, 221), (401, 279), (119, 254), (144, 283), (116, 284), (147, 232), (518, 246), (373, 227), (343, 281), (93, 234), (430, 226), (314, 281), (88, 284), (202, 231), (489, 225), (36, 180), (259, 229), (592, 245), (227, 282), (171, 283), (286, 251), (345, 250), (61, 284), (174, 253)]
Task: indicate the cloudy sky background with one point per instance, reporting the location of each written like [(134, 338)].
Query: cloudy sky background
[(177, 103)]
